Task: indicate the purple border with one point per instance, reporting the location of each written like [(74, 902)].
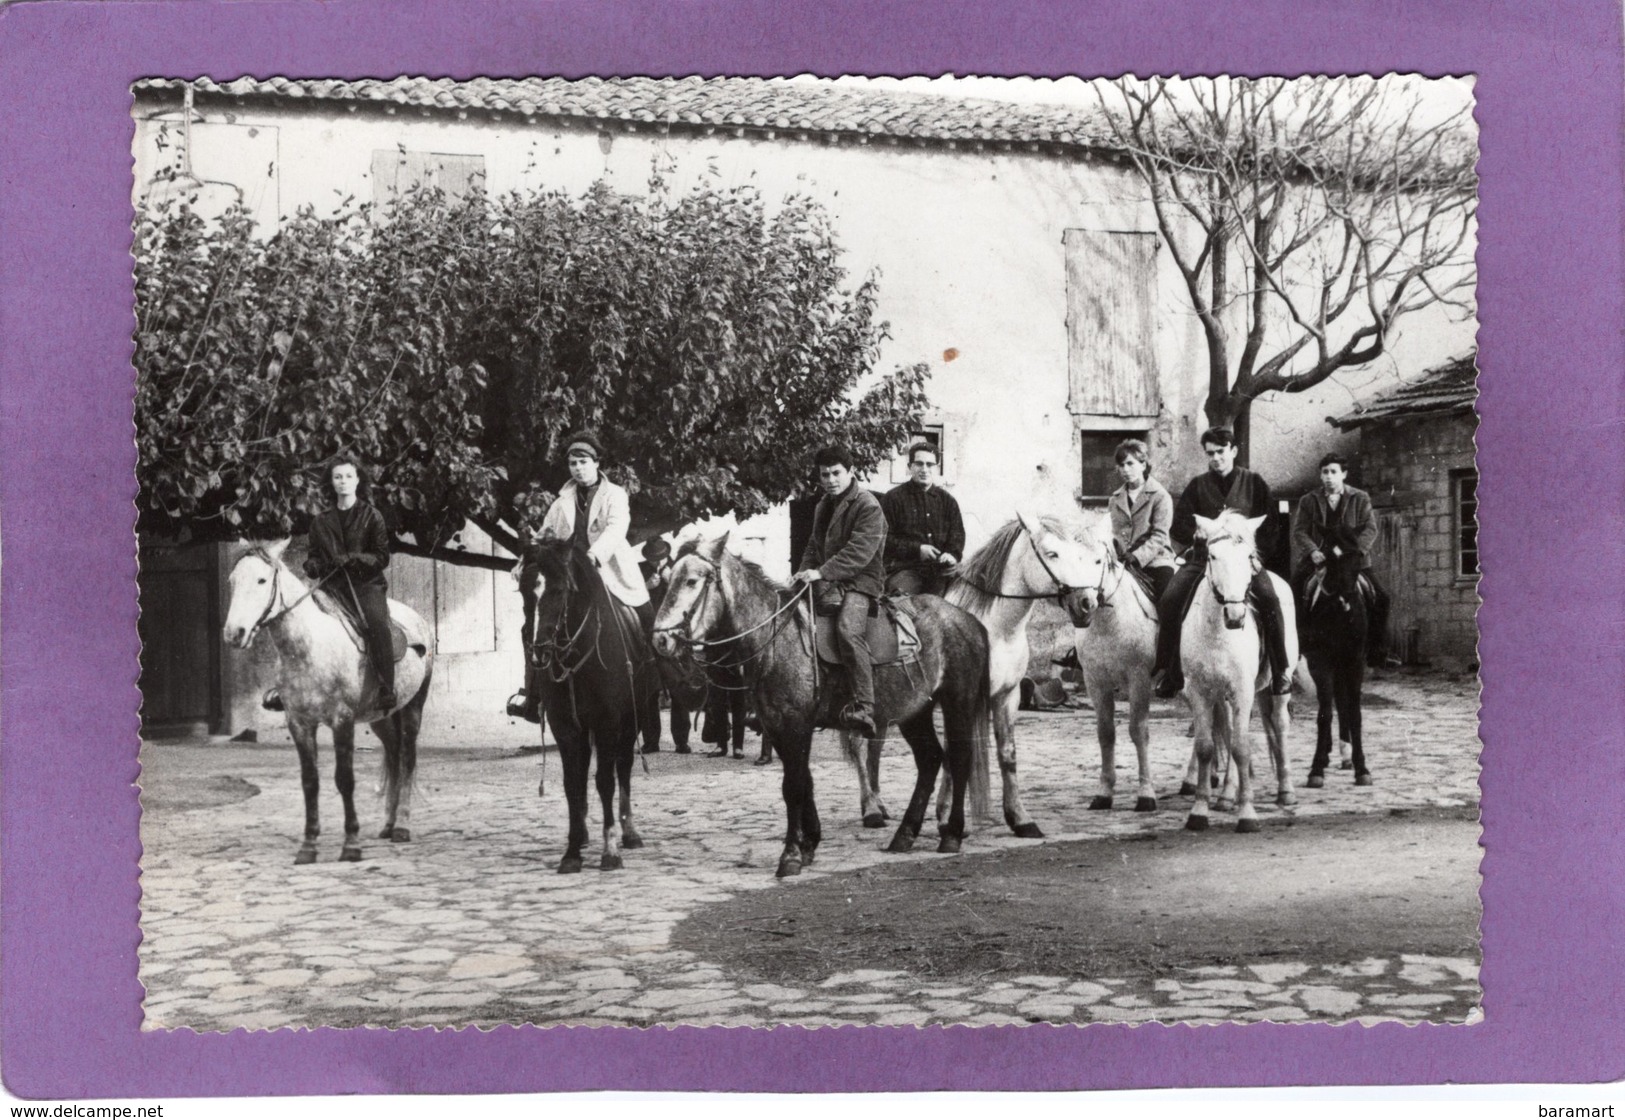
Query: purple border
[(1551, 257)]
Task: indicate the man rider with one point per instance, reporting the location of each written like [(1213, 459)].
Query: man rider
[(843, 563), (1337, 521), (925, 534), (1222, 486)]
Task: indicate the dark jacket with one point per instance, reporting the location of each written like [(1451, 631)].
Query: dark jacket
[(848, 538), (355, 542), (1352, 527), (1206, 496), (917, 515)]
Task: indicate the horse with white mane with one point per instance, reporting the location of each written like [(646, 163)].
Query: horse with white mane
[(1224, 671), (325, 678)]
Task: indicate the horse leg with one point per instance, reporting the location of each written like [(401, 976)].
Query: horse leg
[(1277, 718), (921, 735), (873, 761), (575, 754), (1004, 733), (1105, 702), (795, 751), (1239, 715), (1348, 702), (738, 702), (1324, 696), (344, 778), (1223, 745), (630, 836), (389, 735), (304, 741), (605, 777), (812, 829), (868, 798), (1139, 730), (408, 723), (960, 753), (1202, 760)]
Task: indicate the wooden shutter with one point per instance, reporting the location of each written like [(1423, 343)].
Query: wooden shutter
[(1111, 302)]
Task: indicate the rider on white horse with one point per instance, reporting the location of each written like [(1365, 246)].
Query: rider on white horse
[(1222, 486), (1142, 512), (349, 553)]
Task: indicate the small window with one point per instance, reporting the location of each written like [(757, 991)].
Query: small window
[(1099, 473), (1464, 500), (395, 171), (928, 433)]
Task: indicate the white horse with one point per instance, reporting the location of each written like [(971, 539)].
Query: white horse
[(1028, 559), (1220, 643), (325, 679), (1116, 640)]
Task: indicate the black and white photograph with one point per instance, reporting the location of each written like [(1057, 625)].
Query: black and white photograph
[(806, 551)]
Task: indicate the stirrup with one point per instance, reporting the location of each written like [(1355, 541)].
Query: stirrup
[(272, 701), (855, 718)]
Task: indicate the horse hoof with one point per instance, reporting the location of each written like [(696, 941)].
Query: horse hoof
[(1100, 801), (386, 832), (1363, 779), (949, 845), (400, 835), (1145, 805), (631, 839), (1316, 781), (1248, 824), (874, 820), (1029, 831), (1285, 799), (1225, 805), (570, 865), (903, 841), (807, 854), (350, 855), (304, 857), (1195, 824), (1346, 764), (610, 861), (1187, 789), (787, 868)]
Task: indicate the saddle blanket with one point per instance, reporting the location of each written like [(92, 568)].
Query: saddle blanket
[(893, 637), (398, 640)]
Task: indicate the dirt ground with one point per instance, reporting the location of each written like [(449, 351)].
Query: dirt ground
[(1339, 889)]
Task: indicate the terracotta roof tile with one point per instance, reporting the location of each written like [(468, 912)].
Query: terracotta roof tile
[(1452, 387), (764, 103)]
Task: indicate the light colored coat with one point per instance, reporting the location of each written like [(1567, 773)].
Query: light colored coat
[(1146, 520), (608, 520)]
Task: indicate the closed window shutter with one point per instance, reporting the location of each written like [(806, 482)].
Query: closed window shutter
[(1111, 300)]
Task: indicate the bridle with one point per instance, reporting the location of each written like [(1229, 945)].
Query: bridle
[(1061, 586), (683, 631), (1213, 583), (552, 655), (270, 614)]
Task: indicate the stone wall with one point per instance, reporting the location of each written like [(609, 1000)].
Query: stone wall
[(1409, 466)]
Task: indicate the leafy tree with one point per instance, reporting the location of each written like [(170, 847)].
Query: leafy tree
[(452, 345), (1316, 214)]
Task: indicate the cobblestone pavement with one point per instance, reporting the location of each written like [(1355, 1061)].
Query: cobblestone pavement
[(469, 924)]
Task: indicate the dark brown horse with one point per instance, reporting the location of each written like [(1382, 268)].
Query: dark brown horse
[(718, 601), (595, 673), (1335, 621)]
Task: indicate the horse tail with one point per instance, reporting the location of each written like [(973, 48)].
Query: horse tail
[(981, 718)]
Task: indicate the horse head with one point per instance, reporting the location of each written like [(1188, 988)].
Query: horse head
[(254, 590), (1058, 561), (1231, 556), (563, 572), (1099, 563), (693, 608)]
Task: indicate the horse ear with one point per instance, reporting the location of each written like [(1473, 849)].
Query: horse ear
[(1253, 524), (275, 549), (1208, 526), (1031, 522), (711, 550)]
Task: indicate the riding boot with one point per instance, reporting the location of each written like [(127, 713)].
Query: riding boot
[(1171, 609), (1273, 625)]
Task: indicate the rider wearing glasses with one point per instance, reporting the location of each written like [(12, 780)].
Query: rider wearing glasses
[(1222, 486), (843, 562), (925, 534)]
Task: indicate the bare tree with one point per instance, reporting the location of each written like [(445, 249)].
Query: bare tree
[(1307, 217)]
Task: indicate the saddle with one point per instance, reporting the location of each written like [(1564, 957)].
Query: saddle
[(399, 643), (894, 639), (1317, 581)]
